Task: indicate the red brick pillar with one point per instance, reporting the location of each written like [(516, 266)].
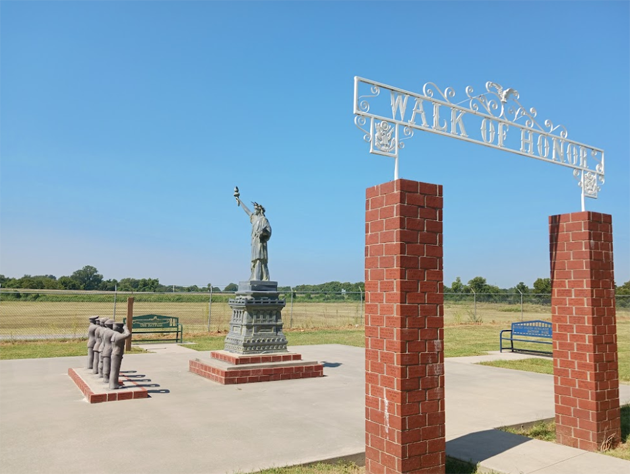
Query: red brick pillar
[(404, 320), (586, 377)]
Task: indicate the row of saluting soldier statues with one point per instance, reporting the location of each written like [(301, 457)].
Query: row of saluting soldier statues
[(106, 346)]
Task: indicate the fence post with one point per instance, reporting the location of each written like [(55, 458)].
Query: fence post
[(521, 302), (474, 303), (361, 303), (210, 307), (115, 295), (291, 319), (129, 322)]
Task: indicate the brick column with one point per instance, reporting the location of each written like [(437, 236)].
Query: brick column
[(404, 320), (586, 377)]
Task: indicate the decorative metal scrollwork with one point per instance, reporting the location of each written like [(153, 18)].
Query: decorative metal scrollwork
[(360, 122), (407, 134), (364, 104), (505, 124)]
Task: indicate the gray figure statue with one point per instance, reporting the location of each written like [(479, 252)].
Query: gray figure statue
[(106, 347), (121, 333), (91, 341), (101, 346), (97, 345), (261, 233)]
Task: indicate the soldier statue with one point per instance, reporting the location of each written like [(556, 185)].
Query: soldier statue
[(121, 333), (106, 348), (91, 341), (98, 334)]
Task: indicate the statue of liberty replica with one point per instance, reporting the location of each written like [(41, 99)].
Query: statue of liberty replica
[(256, 323), (261, 233)]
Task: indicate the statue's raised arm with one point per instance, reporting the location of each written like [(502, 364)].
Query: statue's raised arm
[(240, 203)]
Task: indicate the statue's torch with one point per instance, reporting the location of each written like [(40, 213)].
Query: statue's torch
[(237, 195)]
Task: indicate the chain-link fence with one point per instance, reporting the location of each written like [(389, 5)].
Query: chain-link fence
[(494, 308), (491, 308), (41, 314)]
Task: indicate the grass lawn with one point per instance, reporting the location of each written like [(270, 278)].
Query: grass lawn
[(349, 337), (317, 468), (459, 340), (547, 432), (51, 348), (453, 466), (545, 366), (541, 366), (463, 340)]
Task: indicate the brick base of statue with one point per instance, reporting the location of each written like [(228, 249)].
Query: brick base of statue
[(96, 391), (228, 368)]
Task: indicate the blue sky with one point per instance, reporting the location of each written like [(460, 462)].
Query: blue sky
[(126, 125)]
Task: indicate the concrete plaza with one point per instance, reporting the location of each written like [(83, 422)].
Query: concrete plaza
[(190, 424)]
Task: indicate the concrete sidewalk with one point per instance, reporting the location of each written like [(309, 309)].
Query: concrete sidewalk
[(481, 398), (193, 425)]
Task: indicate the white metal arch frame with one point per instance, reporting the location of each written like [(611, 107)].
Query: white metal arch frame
[(387, 123)]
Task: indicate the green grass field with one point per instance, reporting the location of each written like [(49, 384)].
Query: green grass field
[(545, 366), (459, 340), (453, 466), (68, 318), (546, 431), (45, 349), (469, 330), (540, 366), (30, 319)]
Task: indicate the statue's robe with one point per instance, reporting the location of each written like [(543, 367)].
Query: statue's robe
[(261, 233)]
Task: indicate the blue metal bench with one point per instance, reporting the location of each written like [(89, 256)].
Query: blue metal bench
[(532, 330)]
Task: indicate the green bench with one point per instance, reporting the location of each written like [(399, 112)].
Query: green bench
[(156, 324)]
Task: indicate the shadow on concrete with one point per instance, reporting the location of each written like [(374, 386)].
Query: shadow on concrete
[(482, 445), (460, 467), (137, 380), (331, 365), (140, 380)]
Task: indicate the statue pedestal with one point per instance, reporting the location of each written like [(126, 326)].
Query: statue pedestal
[(256, 323), (255, 348)]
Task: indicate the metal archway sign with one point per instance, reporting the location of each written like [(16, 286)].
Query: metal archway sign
[(501, 122)]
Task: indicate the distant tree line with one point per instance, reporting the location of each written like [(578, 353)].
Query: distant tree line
[(542, 286), (479, 285), (88, 278), (329, 291)]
